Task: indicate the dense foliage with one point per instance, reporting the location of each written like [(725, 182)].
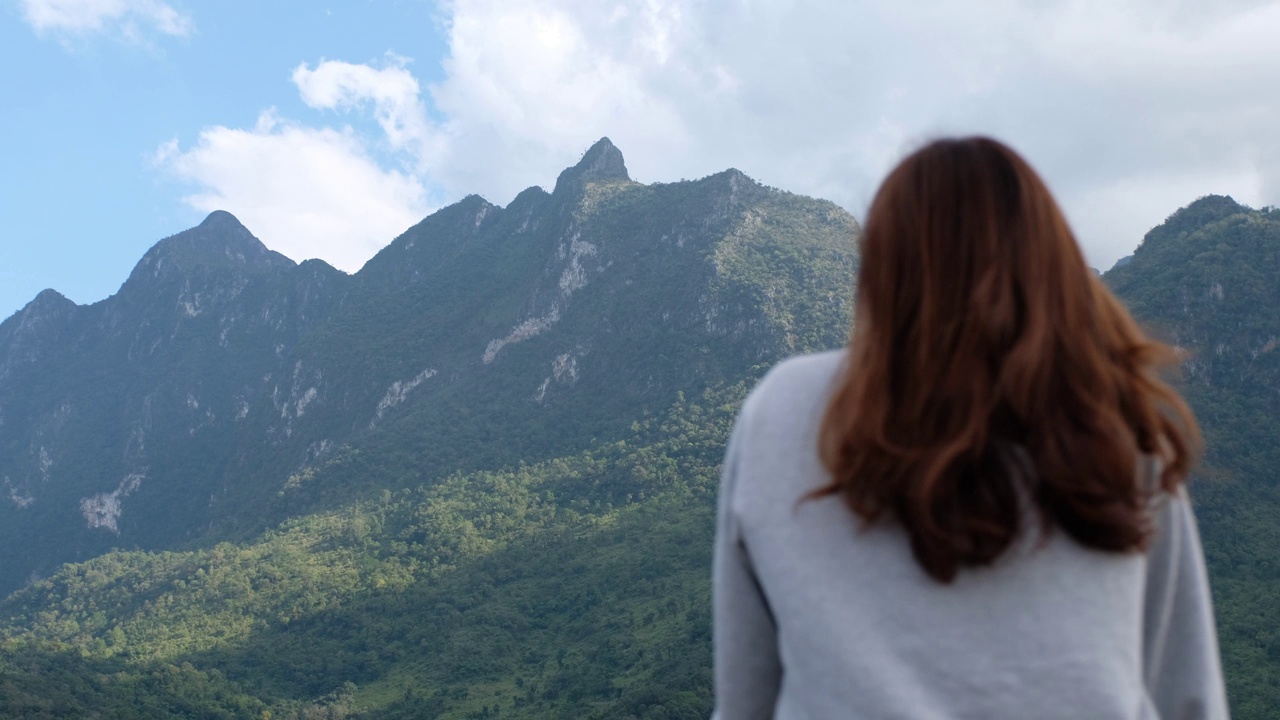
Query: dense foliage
[(1208, 281), (574, 588)]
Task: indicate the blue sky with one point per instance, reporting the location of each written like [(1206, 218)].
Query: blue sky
[(81, 198), (329, 128)]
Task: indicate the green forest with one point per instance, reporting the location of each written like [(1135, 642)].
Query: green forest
[(574, 588), (1208, 281), (529, 537)]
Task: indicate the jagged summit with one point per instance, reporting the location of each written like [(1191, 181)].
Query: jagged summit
[(602, 162)]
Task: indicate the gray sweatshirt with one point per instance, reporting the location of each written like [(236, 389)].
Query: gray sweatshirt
[(816, 618)]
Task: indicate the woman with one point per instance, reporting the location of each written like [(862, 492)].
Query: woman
[(977, 510)]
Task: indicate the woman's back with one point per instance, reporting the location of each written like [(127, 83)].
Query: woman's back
[(820, 617), (960, 515)]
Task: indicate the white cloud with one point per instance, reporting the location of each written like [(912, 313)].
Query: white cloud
[(392, 91), (1130, 108), (306, 192), (1153, 102), (129, 19), (530, 85)]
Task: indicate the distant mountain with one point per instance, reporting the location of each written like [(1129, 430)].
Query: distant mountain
[(1208, 280), (225, 388), (477, 478), (500, 396)]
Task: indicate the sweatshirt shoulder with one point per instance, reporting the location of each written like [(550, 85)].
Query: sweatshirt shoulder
[(801, 373), (796, 385)]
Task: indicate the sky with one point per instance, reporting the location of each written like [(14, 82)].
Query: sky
[(328, 128)]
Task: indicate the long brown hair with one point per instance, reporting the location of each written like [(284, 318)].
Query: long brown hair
[(990, 370)]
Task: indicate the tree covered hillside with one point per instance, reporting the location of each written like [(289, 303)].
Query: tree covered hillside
[(572, 588), (1208, 280), (526, 540), (476, 477)]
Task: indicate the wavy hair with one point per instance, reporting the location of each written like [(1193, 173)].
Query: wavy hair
[(991, 371)]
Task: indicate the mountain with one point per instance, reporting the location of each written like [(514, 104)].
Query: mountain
[(374, 491), (477, 478), (1208, 280), (224, 388)]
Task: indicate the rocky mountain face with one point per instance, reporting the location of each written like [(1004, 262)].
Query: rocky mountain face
[(135, 401), (225, 388)]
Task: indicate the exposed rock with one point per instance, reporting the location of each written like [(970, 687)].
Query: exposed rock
[(601, 163)]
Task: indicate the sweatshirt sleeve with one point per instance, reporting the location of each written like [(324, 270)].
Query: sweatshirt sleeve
[(1182, 669), (747, 668)]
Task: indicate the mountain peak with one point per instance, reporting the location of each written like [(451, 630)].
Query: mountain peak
[(220, 241), (47, 302), (221, 219), (1203, 211), (1208, 208), (49, 296), (602, 162), (49, 306)]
